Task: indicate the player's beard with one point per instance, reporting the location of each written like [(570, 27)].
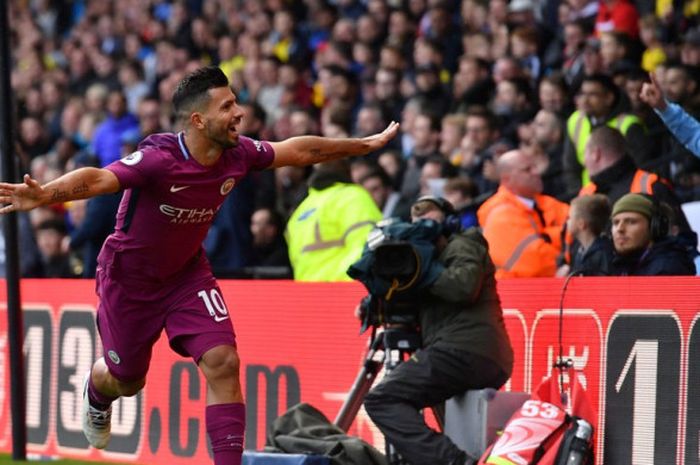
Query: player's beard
[(220, 136)]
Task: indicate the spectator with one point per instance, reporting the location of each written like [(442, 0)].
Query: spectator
[(425, 133), (90, 232), (30, 264), (614, 174), (522, 226), (642, 244), (462, 193), (434, 174), (452, 130), (55, 262), (269, 246), (107, 138), (653, 55), (150, 117), (387, 92), (592, 250), (598, 105), (553, 94), (513, 106), (617, 15), (524, 47), (481, 132), (135, 88), (472, 84), (378, 183), (684, 127), (392, 162), (327, 231), (548, 132)]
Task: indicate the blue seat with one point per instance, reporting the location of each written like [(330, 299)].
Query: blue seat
[(265, 458)]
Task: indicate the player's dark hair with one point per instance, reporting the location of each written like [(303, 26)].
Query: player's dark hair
[(192, 92)]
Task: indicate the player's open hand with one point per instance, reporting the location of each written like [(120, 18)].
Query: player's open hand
[(20, 197), (651, 94), (378, 141)]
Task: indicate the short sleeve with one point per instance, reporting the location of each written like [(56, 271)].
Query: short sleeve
[(136, 169), (258, 154)]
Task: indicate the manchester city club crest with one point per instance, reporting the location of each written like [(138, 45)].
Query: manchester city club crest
[(227, 186)]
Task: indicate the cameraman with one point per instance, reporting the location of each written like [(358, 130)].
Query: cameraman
[(464, 340)]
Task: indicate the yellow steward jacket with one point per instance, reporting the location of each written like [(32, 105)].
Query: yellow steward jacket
[(327, 231), (579, 128), (521, 242)]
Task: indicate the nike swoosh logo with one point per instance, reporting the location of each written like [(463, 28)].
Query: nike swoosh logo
[(220, 318), (177, 188)]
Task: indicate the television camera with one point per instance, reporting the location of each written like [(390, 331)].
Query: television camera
[(397, 266)]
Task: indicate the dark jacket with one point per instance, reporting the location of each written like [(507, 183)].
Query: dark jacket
[(665, 258), (595, 260), (463, 309), (616, 181), (100, 216)]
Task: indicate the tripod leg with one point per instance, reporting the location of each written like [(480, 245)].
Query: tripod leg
[(363, 382)]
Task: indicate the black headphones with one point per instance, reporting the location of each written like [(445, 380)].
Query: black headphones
[(452, 222), (659, 222)]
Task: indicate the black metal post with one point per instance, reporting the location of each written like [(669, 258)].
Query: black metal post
[(15, 326)]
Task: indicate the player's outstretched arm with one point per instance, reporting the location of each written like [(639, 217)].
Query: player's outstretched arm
[(82, 183), (307, 150)]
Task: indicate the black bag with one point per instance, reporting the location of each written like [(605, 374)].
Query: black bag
[(303, 429)]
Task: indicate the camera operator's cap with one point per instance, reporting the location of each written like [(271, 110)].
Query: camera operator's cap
[(634, 203), (444, 205)]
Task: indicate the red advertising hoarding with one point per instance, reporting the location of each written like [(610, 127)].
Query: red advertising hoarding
[(634, 340)]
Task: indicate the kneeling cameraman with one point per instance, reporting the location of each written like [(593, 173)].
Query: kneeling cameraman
[(464, 345)]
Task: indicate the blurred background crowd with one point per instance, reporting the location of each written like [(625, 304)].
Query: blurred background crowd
[(469, 81)]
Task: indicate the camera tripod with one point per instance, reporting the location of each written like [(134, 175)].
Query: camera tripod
[(396, 343)]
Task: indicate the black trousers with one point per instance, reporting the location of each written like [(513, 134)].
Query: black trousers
[(431, 376)]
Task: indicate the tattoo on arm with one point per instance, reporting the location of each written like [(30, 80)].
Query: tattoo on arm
[(318, 156), (58, 195), (81, 189)]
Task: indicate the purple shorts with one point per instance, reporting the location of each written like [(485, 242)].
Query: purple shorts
[(132, 314)]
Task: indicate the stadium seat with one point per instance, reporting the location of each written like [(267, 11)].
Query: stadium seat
[(266, 458)]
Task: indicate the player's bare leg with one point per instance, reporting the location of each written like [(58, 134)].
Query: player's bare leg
[(225, 414)]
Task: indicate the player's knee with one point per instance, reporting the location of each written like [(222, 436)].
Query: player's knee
[(221, 363), (131, 388)]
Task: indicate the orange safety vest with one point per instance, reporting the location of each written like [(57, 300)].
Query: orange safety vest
[(642, 183), (515, 234)]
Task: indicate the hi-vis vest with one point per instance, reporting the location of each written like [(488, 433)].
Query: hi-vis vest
[(642, 183), (578, 127), (328, 230)]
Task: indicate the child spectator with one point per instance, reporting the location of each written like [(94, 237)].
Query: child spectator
[(592, 250)]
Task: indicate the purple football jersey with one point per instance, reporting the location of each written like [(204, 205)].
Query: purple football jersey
[(169, 202)]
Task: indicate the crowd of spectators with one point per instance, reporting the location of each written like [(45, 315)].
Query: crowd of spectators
[(469, 81)]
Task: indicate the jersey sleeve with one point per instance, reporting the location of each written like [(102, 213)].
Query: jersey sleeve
[(136, 169), (258, 154)]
